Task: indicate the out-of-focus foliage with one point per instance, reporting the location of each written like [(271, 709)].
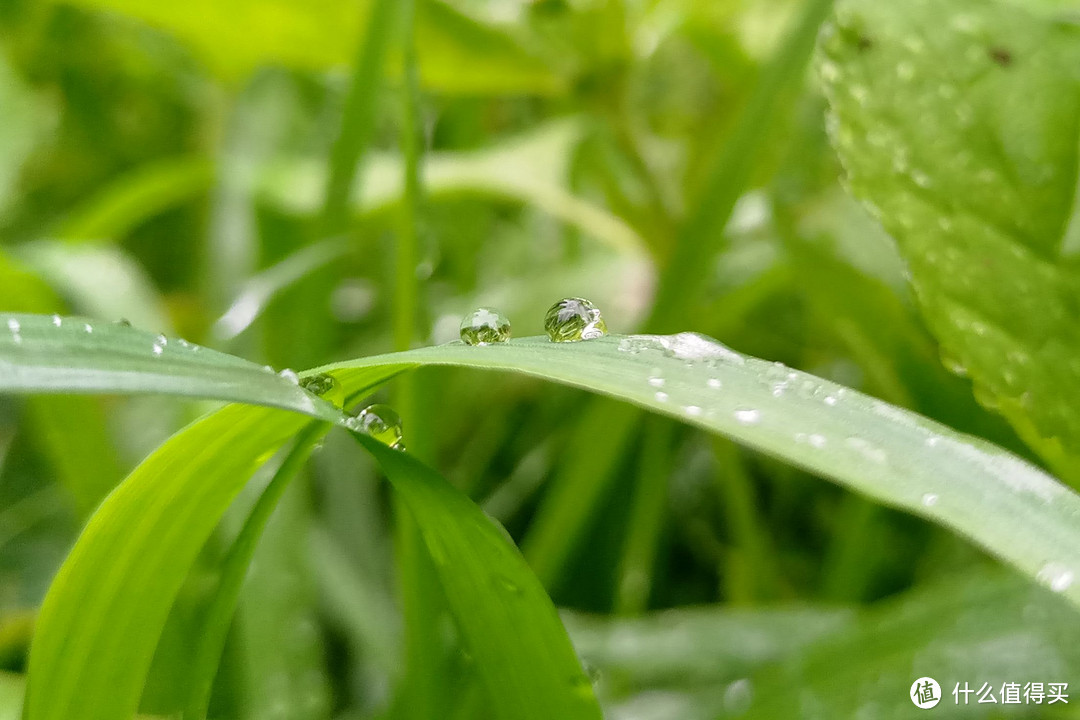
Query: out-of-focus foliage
[(167, 163)]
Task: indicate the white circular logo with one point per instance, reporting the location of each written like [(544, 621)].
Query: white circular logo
[(925, 693)]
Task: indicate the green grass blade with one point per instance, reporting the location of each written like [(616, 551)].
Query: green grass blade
[(218, 616), (100, 622), (702, 234), (132, 558), (500, 606), (42, 354), (1010, 508)]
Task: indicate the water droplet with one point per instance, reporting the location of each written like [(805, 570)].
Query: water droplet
[(929, 499), (380, 422), (661, 397), (1055, 576), (162, 340), (88, 328), (484, 326), (57, 321), (573, 319), (816, 440), (932, 441), (15, 327), (158, 349), (656, 381), (509, 585), (325, 386), (867, 449), (290, 375), (747, 416), (692, 410), (830, 399), (123, 322), (714, 383)]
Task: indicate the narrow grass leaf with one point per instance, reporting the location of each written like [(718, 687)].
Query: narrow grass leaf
[(43, 354), (507, 621), (1009, 507)]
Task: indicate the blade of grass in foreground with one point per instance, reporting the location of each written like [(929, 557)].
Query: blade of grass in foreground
[(1007, 506), (508, 623), (100, 622), (43, 354)]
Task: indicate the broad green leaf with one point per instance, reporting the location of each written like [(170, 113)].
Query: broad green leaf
[(957, 125), (457, 54), (510, 628), (58, 354)]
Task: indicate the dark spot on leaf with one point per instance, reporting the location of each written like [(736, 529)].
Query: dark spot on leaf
[(1001, 56), (865, 43)]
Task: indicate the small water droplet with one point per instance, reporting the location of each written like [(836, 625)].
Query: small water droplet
[(692, 410), (158, 349), (574, 319), (380, 422), (325, 386), (830, 399), (1055, 576), (661, 397), (509, 585), (290, 375), (484, 326), (816, 440), (57, 321), (929, 499), (88, 328), (867, 449), (932, 441), (747, 416), (162, 340), (123, 322), (15, 327), (656, 381), (714, 383)]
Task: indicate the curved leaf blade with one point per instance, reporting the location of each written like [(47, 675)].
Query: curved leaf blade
[(512, 611), (42, 354), (1007, 506), (100, 622)]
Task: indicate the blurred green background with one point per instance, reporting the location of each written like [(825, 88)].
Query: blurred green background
[(167, 163)]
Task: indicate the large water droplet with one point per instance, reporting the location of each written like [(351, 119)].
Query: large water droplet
[(485, 326), (380, 422), (573, 319), (325, 386)]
